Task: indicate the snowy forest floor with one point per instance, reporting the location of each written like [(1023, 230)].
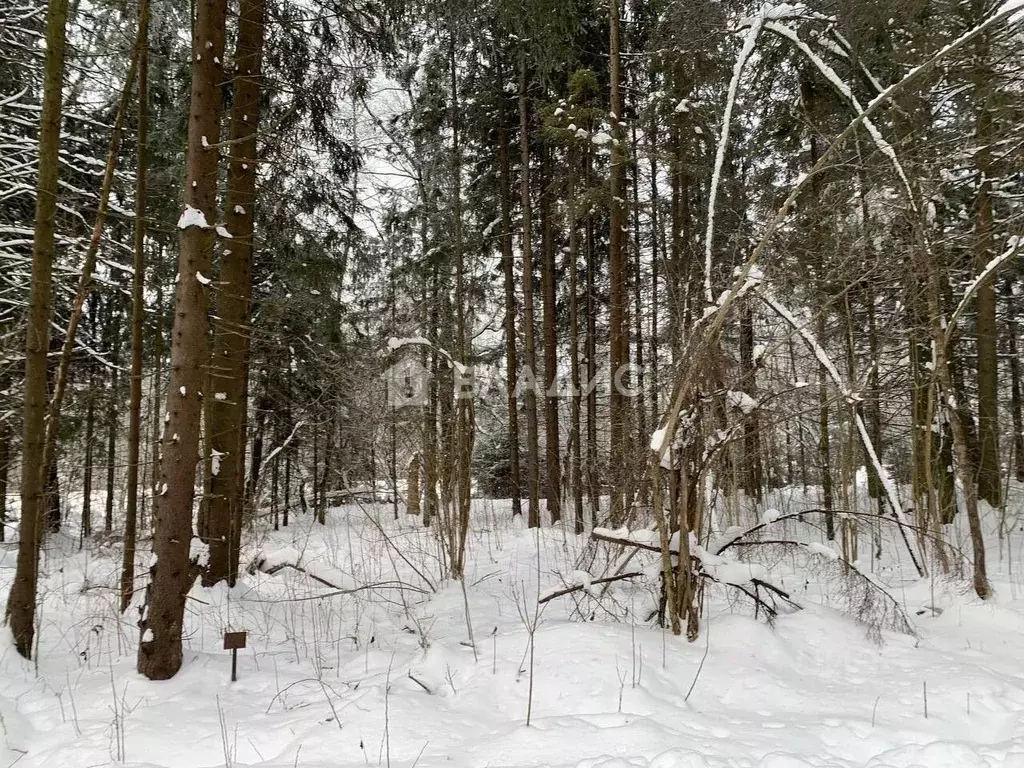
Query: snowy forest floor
[(385, 676)]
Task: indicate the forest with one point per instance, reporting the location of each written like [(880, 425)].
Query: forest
[(515, 383)]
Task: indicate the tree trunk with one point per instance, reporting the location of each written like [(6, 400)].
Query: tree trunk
[(989, 481), (5, 466), (575, 436), (412, 490), (508, 268), (172, 573), (87, 469), (553, 453), (619, 336), (593, 470), (1016, 402), (532, 437), (21, 604), (753, 472), (112, 422), (138, 309), (964, 468), (227, 411)]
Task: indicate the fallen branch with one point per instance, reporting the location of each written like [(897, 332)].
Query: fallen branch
[(579, 587)]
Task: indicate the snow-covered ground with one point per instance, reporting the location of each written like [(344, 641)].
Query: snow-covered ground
[(385, 676)]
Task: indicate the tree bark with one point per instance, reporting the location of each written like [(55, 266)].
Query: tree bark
[(87, 469), (138, 309), (21, 604), (5, 466), (553, 453), (172, 573), (112, 420), (989, 481), (530, 395), (1016, 401), (508, 269), (619, 337), (227, 407), (575, 436)]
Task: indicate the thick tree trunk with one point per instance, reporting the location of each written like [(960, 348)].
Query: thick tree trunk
[(172, 573), (21, 604), (227, 411), (138, 310)]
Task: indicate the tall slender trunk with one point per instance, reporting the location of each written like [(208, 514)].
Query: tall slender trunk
[(1016, 401), (21, 604), (508, 269), (640, 406), (87, 469), (172, 573), (138, 309), (5, 466), (824, 446), (112, 419), (227, 409), (656, 255), (753, 470), (575, 465), (964, 468), (989, 481), (532, 438), (617, 279), (158, 373), (553, 453), (593, 470), (430, 361), (464, 416)]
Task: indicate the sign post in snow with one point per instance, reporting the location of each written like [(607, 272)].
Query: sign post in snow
[(232, 642)]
